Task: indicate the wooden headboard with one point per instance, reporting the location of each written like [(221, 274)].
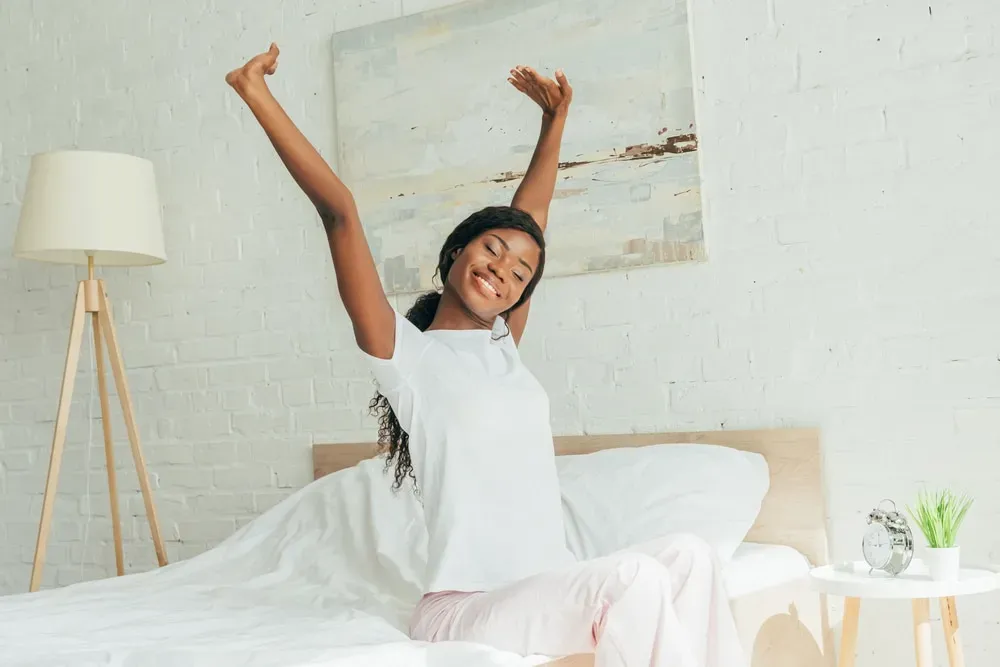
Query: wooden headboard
[(793, 512)]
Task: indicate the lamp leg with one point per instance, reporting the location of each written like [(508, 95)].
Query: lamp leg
[(109, 452), (59, 436), (121, 382)]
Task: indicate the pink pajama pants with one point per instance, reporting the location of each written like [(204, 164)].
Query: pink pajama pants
[(660, 604)]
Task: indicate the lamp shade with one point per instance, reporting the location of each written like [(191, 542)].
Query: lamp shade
[(80, 203)]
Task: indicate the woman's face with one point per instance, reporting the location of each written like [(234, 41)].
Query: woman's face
[(491, 273)]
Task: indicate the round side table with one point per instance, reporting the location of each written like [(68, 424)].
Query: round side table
[(853, 582)]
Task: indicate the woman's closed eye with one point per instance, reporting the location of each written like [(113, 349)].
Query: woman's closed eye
[(496, 253)]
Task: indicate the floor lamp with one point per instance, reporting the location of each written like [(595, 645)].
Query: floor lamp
[(92, 208)]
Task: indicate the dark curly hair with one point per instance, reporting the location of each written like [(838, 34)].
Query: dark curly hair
[(393, 441)]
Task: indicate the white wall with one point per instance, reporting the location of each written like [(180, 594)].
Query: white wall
[(849, 155)]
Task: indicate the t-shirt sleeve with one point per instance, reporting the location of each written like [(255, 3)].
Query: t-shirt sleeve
[(395, 377)]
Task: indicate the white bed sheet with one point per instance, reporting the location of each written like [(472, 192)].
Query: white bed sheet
[(309, 583), (756, 567)]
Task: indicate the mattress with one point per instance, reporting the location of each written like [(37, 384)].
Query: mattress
[(311, 582), (756, 567)]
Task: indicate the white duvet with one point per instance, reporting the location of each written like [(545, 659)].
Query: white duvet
[(298, 586), (311, 582)]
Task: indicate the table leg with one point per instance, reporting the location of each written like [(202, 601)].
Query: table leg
[(922, 632), (849, 632), (949, 619)]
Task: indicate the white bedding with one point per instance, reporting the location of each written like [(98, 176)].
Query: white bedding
[(298, 586), (756, 567)]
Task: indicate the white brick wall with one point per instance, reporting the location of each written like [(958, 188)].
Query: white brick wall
[(849, 157)]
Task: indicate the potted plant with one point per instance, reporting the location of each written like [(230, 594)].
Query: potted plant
[(939, 515)]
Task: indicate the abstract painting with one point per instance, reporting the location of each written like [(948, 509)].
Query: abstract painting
[(428, 130)]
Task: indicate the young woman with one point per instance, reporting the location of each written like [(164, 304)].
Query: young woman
[(465, 420)]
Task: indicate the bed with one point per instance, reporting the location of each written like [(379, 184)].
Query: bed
[(295, 586), (782, 623)]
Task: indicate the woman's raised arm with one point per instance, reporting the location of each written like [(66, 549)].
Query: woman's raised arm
[(357, 278), (534, 194)]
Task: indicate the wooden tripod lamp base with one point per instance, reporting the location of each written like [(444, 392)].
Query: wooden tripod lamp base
[(87, 208), (92, 298)]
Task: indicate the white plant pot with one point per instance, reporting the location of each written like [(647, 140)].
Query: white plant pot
[(942, 563)]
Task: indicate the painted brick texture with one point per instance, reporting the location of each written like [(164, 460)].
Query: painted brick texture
[(849, 152)]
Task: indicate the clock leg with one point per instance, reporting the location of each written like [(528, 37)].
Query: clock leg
[(949, 618), (922, 632), (849, 632)]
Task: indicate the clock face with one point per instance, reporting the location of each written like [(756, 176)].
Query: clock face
[(877, 546)]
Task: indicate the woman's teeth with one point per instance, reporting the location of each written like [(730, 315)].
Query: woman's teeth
[(486, 284)]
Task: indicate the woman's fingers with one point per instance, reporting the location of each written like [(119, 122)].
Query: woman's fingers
[(530, 76), (538, 82), (271, 58), (564, 84), (517, 84), (548, 93), (516, 79), (520, 81)]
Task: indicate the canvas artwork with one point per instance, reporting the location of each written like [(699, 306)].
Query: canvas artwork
[(429, 130)]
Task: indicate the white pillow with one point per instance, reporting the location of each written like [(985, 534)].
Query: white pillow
[(617, 498)]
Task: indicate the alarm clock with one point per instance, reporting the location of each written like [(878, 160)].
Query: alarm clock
[(887, 544)]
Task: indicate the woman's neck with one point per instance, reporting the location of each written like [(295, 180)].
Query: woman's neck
[(452, 314)]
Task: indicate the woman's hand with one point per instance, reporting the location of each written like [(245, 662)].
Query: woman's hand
[(253, 72), (553, 96)]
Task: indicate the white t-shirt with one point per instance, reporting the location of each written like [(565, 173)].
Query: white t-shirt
[(482, 453)]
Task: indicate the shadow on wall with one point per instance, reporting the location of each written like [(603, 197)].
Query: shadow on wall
[(785, 641), (785, 626)]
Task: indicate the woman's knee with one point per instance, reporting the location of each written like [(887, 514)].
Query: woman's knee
[(689, 555), (637, 568), (693, 546)]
